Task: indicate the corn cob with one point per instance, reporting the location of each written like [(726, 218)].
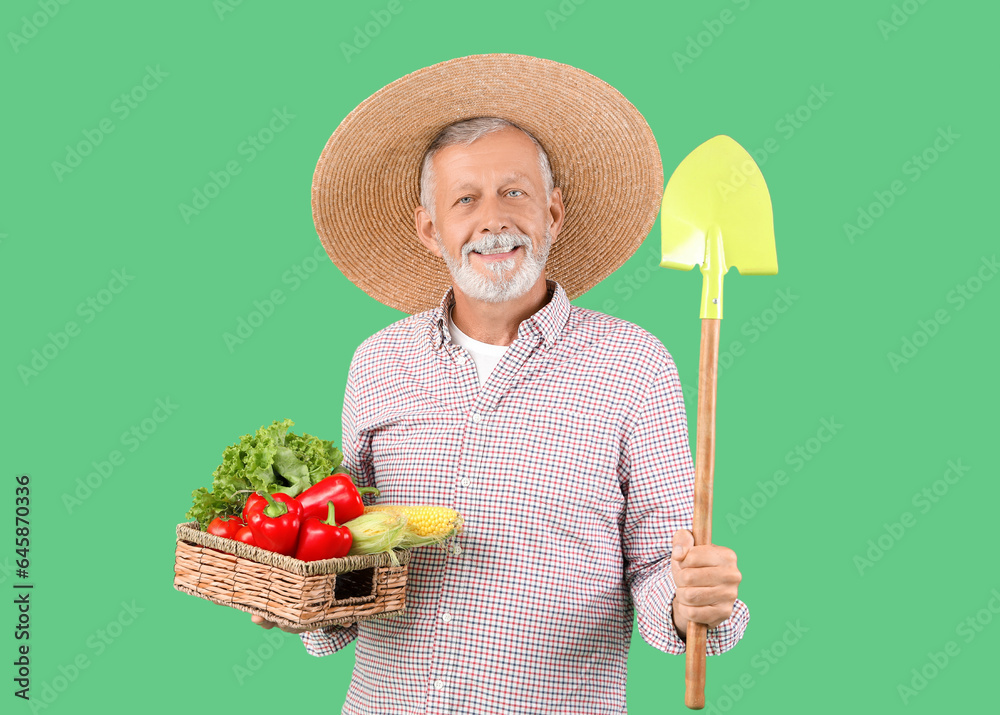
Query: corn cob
[(424, 524), (375, 532)]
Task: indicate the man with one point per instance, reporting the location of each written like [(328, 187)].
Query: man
[(558, 432)]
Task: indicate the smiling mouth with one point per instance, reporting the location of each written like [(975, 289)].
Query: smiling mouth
[(494, 255)]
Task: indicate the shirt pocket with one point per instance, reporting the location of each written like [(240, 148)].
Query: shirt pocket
[(565, 462), (415, 457)]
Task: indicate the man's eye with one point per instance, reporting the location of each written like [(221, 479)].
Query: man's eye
[(464, 198), (518, 191)]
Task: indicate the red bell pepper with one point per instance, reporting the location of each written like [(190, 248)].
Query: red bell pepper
[(251, 500), (226, 527), (275, 522), (246, 536), (323, 539), (339, 489)]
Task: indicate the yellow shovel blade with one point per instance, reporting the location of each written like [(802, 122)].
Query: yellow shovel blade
[(716, 213)]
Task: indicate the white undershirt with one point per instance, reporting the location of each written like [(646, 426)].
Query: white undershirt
[(484, 355)]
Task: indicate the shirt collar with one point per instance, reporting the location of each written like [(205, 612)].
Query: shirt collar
[(547, 323)]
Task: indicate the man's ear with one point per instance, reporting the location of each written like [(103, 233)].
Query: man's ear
[(556, 213), (426, 230)]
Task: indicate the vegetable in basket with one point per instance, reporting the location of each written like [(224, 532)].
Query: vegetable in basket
[(274, 460), (319, 539), (423, 524), (251, 500), (275, 523), (246, 536), (338, 488), (373, 533), (386, 527), (226, 526)]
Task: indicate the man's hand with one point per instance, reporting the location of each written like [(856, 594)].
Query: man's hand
[(706, 578), (268, 625)]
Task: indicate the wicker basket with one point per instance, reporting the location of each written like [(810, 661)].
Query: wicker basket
[(287, 591)]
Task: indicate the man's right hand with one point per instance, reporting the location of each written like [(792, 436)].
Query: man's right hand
[(266, 624)]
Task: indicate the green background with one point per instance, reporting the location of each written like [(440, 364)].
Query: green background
[(849, 301)]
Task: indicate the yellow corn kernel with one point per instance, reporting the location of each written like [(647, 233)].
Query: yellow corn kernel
[(426, 522)]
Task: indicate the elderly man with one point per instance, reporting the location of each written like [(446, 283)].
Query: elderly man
[(558, 432)]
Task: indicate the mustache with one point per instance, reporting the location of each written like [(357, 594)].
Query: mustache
[(503, 241)]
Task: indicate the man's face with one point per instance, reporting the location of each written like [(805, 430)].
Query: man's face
[(493, 227)]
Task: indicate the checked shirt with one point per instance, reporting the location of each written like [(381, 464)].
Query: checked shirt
[(572, 468)]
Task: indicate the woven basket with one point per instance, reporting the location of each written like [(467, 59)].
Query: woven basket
[(287, 591)]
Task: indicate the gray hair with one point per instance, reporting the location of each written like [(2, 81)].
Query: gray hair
[(465, 132)]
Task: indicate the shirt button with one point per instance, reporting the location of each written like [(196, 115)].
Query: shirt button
[(476, 417), (457, 549), (438, 684), (446, 617), (461, 359), (466, 481)]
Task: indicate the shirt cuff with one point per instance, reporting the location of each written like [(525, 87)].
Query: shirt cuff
[(653, 597), (728, 633), (655, 615), (328, 640)]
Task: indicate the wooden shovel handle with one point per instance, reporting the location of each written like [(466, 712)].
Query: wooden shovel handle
[(708, 369)]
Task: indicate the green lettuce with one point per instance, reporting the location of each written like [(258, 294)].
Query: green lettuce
[(273, 459)]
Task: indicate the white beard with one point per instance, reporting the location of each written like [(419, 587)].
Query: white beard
[(496, 288)]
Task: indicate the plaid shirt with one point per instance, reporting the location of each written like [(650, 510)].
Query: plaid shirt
[(572, 468)]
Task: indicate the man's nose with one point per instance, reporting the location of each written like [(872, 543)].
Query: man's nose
[(493, 218)]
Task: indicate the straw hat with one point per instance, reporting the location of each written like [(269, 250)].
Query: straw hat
[(602, 152)]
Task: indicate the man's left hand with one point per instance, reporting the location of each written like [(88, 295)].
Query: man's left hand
[(706, 578)]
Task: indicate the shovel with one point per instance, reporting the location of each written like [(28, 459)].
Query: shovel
[(716, 213)]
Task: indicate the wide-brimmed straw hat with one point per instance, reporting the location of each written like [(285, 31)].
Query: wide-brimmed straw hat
[(602, 152)]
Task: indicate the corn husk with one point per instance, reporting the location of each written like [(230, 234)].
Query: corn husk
[(375, 532), (425, 525)]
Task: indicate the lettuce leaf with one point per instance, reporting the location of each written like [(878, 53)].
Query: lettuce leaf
[(292, 470), (273, 459)]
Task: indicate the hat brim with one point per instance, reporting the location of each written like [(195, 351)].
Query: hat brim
[(602, 152)]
